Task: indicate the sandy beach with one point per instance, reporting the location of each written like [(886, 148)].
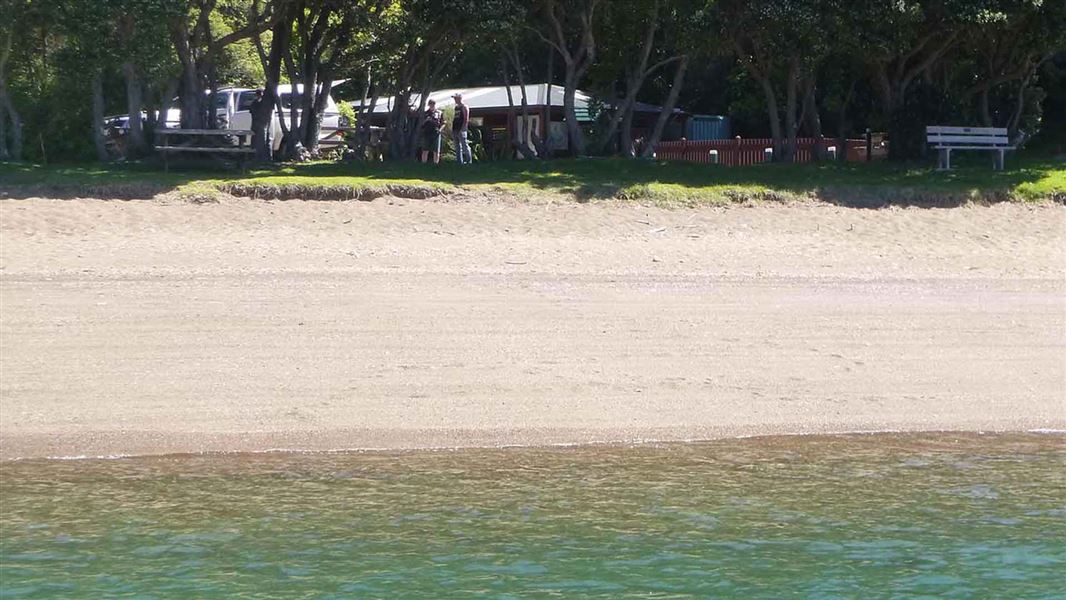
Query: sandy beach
[(158, 326)]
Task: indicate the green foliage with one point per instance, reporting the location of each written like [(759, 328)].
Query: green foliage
[(347, 112), (896, 65)]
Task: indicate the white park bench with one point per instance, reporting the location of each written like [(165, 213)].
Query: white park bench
[(945, 139)]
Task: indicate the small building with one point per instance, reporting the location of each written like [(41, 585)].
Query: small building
[(499, 117), (707, 127)]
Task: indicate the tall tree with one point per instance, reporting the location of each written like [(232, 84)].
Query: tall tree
[(82, 22), (262, 112), (628, 20), (425, 37), (324, 42), (198, 45), (1010, 42), (901, 43), (570, 27), (10, 120), (144, 55), (687, 20), (503, 24), (779, 44)]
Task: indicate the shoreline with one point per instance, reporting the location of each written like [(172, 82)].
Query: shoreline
[(151, 328), (515, 441)]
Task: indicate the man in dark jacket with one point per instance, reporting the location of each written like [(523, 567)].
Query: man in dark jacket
[(432, 124)]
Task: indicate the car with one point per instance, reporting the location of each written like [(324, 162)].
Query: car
[(233, 111)]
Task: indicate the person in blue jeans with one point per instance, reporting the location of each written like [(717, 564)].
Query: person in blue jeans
[(460, 129)]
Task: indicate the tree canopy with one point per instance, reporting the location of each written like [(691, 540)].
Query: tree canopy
[(778, 68)]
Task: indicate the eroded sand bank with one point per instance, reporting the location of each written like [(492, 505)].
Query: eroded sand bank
[(155, 326)]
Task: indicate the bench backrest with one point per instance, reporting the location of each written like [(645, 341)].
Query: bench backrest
[(967, 136)]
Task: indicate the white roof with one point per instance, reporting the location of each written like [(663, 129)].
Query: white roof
[(283, 88), (490, 97)]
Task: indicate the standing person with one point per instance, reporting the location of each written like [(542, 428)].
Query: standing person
[(460, 127), (432, 124), (261, 126)]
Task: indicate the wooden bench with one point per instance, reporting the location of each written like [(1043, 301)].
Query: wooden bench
[(207, 141), (945, 139)]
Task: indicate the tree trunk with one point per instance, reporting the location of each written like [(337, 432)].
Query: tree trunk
[(306, 101), (896, 132), (8, 115), (574, 134), (291, 133), (365, 124), (986, 114), (5, 154), (519, 140), (98, 117), (627, 149), (318, 111), (791, 122), (169, 94), (8, 111), (546, 122), (416, 118), (211, 101), (540, 142), (16, 128), (262, 117), (578, 60), (635, 78), (364, 117), (1014, 124), (515, 134), (151, 121), (622, 120), (191, 93), (668, 108), (135, 146), (891, 102), (813, 118), (1019, 108), (624, 113), (399, 125), (773, 113), (5, 53), (843, 127)]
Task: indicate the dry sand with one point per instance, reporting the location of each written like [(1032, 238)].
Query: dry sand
[(159, 326)]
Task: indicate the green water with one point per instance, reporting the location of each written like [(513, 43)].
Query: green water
[(881, 516)]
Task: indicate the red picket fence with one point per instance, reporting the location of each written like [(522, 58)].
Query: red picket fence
[(750, 151)]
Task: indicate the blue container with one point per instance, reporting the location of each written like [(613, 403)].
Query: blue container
[(707, 127)]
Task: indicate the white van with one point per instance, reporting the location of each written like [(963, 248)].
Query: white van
[(233, 106), (233, 110)]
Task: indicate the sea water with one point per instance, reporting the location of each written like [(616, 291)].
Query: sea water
[(870, 516)]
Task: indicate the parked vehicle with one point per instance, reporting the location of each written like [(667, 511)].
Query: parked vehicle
[(233, 108), (233, 111)]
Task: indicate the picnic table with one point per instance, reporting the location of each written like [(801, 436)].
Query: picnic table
[(218, 142)]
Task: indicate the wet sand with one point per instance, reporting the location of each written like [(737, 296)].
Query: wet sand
[(157, 326)]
